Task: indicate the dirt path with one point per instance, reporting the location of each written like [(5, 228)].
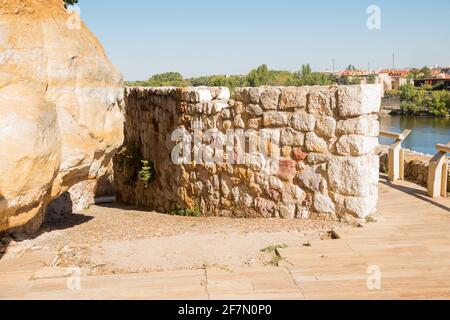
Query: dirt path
[(120, 239)]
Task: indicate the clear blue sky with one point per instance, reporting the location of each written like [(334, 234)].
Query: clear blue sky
[(200, 37)]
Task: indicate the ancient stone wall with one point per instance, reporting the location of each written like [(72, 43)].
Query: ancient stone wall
[(307, 152)]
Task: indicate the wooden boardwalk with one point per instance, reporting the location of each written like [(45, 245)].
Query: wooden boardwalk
[(404, 255)]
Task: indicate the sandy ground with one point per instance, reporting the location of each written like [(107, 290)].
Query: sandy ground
[(120, 239)]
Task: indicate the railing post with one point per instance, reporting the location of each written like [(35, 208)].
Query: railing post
[(438, 172), (396, 155)]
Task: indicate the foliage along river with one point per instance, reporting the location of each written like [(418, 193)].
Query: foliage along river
[(427, 131)]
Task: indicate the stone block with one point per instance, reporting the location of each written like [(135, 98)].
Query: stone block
[(356, 145), (359, 100), (303, 121), (354, 176)]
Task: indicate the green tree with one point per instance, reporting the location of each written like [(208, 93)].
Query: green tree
[(259, 77)]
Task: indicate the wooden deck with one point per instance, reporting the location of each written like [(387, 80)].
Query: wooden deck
[(407, 250)]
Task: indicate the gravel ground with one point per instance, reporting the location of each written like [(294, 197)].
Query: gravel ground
[(121, 239)]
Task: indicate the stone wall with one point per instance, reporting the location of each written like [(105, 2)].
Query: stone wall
[(416, 166), (323, 166)]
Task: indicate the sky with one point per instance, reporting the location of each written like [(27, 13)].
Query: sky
[(200, 37)]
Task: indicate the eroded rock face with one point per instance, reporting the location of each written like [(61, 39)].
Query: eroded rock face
[(60, 108)]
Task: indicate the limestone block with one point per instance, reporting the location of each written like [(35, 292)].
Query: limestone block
[(254, 110), (269, 98), (323, 203), (360, 207), (290, 137), (359, 100), (287, 210), (354, 176), (293, 98), (314, 143), (356, 145), (326, 127), (276, 119), (367, 125), (303, 121), (321, 101)]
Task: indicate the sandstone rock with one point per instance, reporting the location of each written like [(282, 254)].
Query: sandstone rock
[(287, 211), (269, 99), (303, 121), (311, 178), (290, 137), (359, 100), (326, 127), (352, 176), (356, 145), (363, 125), (276, 119), (323, 203), (299, 155), (60, 109), (287, 171), (254, 110), (359, 207), (248, 95), (321, 101), (313, 143), (293, 98), (266, 207)]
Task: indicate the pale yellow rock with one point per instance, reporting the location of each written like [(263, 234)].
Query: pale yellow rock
[(60, 107)]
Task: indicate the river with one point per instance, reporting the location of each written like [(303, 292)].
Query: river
[(427, 131)]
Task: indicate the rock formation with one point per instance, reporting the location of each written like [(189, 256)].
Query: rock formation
[(60, 108)]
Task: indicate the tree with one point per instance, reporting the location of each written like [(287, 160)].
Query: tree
[(259, 77), (69, 3), (351, 67)]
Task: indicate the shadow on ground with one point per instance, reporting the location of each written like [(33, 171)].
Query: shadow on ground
[(419, 194)]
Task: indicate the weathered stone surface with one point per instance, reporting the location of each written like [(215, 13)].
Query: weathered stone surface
[(293, 98), (60, 109), (356, 145), (314, 143), (287, 211), (287, 170), (363, 125), (302, 176), (322, 101), (359, 207), (323, 203), (254, 110), (276, 119), (326, 127), (270, 98), (359, 100), (354, 176), (291, 137), (303, 121)]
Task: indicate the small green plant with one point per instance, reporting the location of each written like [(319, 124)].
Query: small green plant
[(371, 219), (189, 212), (274, 248), (146, 174)]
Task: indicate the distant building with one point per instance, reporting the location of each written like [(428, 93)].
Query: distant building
[(436, 83), (393, 79)]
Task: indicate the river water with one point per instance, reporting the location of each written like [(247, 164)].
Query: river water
[(427, 131)]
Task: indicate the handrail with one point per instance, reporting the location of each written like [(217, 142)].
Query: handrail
[(445, 148), (438, 172), (394, 135), (396, 155)]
